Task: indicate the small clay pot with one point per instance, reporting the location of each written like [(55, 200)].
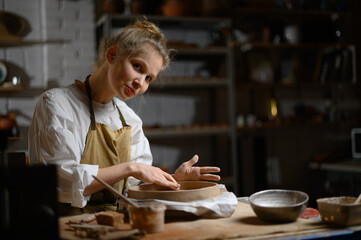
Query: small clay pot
[(174, 8), (114, 6), (6, 123), (138, 7), (149, 216), (145, 6)]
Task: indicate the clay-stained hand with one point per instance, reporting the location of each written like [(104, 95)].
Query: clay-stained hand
[(151, 174), (186, 172)]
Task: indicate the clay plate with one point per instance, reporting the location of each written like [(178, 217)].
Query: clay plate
[(189, 191)]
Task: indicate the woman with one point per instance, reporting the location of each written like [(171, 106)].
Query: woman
[(87, 129)]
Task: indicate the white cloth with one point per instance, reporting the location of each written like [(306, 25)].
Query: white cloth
[(58, 131), (221, 206)]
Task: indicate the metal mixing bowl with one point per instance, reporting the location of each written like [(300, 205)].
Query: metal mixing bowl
[(277, 205)]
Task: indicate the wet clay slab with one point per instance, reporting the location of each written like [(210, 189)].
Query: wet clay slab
[(189, 191)]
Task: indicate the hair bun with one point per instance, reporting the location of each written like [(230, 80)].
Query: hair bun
[(147, 26)]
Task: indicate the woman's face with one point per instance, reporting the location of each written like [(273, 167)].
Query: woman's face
[(131, 76)]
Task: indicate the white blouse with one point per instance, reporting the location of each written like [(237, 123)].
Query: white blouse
[(58, 131)]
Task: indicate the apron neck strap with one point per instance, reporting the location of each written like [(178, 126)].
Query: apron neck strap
[(120, 114), (92, 115), (88, 91)]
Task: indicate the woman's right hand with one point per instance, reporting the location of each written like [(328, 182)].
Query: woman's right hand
[(141, 171), (151, 174)]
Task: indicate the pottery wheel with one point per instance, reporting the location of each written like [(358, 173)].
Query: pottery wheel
[(189, 191)]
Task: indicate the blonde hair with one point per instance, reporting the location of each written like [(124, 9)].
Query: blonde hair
[(130, 40)]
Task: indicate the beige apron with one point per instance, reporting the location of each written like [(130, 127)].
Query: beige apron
[(104, 147)]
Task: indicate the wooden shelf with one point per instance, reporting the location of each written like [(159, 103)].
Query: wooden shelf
[(286, 12), (16, 138), (346, 166), (250, 45), (296, 125), (20, 91), (186, 131), (190, 82), (5, 43), (201, 51), (184, 21), (10, 88), (299, 85)]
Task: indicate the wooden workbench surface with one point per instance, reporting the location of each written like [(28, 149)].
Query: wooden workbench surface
[(242, 224)]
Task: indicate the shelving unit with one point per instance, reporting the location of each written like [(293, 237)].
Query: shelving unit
[(8, 88), (207, 128), (312, 116)]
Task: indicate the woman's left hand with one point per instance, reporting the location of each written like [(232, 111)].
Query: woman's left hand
[(186, 172)]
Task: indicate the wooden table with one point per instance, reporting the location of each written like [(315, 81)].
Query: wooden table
[(243, 224)]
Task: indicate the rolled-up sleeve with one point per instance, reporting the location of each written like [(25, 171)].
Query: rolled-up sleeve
[(54, 138)]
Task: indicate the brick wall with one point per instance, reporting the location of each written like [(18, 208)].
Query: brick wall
[(47, 65)]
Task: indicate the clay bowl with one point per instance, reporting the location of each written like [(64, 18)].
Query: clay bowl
[(189, 191), (13, 26), (174, 8), (341, 211), (277, 205)]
